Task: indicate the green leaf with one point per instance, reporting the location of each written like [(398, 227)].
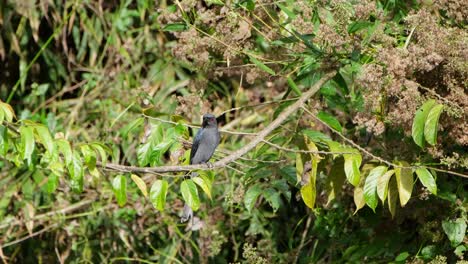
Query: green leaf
[(3, 140), (102, 149), (7, 111), (251, 197), (293, 86), (426, 178), (286, 10), (204, 183), (359, 25), (45, 138), (351, 165), (382, 185), (273, 198), (176, 27), (130, 127), (392, 196), (330, 120), (158, 194), (308, 194), (405, 182), (370, 186), (75, 168), (52, 183), (27, 143), (299, 167), (65, 148), (402, 256), (119, 185), (89, 156), (455, 231), (316, 136), (261, 65), (420, 121), (140, 184), (190, 194), (432, 124)]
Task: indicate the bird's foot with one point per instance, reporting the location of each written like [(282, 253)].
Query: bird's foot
[(210, 165)]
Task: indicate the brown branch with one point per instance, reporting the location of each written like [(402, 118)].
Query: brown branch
[(260, 137)]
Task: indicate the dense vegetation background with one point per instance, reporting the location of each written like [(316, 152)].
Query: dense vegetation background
[(372, 169)]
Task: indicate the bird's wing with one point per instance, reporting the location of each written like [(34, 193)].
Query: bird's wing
[(196, 143)]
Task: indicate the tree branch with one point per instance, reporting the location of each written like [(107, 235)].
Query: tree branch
[(260, 137)]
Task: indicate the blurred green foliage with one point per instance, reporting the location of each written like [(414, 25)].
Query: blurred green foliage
[(85, 83)]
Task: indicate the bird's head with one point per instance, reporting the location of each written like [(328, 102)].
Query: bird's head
[(209, 120)]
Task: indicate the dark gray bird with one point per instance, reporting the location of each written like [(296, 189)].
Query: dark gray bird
[(204, 144), (206, 140)]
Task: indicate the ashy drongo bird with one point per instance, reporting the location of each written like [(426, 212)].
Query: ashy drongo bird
[(204, 144)]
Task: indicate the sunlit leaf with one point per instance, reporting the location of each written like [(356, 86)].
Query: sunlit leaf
[(119, 185), (190, 194), (432, 124), (351, 165), (358, 197), (65, 148), (52, 183), (370, 186), (299, 167), (308, 194), (7, 111), (426, 178), (140, 184), (89, 156), (204, 183), (382, 185), (27, 143), (4, 144), (158, 194), (75, 168), (420, 121), (45, 138), (404, 180)]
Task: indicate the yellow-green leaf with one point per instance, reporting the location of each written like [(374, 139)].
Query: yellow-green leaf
[(7, 110), (404, 180), (27, 143), (299, 167), (65, 148), (359, 198), (370, 186), (45, 138), (382, 185), (351, 165), (190, 194), (119, 185), (158, 194), (204, 183), (426, 178), (140, 184), (420, 121), (308, 194), (432, 124), (392, 196)]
